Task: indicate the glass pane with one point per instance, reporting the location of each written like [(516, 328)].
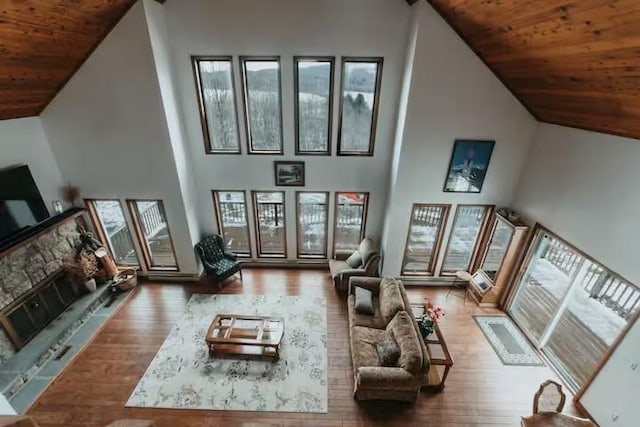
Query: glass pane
[(157, 240), (424, 232), (312, 224), (114, 226), (500, 241), (232, 219), (262, 95), (359, 88), (349, 222), (216, 86), (314, 104), (464, 236), (270, 216)]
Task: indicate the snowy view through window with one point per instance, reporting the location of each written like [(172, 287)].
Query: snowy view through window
[(314, 104), (262, 96)]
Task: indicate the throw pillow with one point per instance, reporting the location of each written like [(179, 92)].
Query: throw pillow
[(363, 301), (388, 351), (354, 260)]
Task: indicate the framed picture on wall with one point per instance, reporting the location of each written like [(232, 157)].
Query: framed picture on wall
[(468, 166), (289, 174)]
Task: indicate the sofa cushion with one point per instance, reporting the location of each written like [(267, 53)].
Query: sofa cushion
[(405, 334), (354, 260), (336, 267), (363, 301), (390, 299), (366, 249), (374, 320), (388, 351), (364, 342)]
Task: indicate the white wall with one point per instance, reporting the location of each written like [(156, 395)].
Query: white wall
[(584, 186), (22, 141), (288, 28), (453, 95), (108, 129)]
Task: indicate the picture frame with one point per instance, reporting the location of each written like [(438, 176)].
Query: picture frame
[(468, 165), (481, 282), (289, 174)]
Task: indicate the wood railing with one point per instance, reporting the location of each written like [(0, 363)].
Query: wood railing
[(152, 220), (312, 213), (349, 214), (233, 213), (562, 257), (271, 214), (429, 216), (120, 240)]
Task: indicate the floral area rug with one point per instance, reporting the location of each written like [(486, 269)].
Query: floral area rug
[(182, 375)]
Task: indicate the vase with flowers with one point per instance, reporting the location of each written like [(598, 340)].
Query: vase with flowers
[(428, 321)]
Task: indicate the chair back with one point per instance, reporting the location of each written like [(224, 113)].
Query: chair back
[(211, 248), (549, 398)]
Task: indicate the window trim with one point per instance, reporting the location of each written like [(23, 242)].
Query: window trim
[(245, 102), (216, 207), (446, 208), (256, 220), (208, 146), (376, 104), (142, 240), (332, 62), (365, 213), (325, 253), (477, 248), (101, 234)]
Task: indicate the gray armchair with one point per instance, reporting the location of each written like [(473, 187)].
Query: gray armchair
[(341, 271)]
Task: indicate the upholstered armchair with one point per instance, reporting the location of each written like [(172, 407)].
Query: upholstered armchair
[(218, 263), (347, 264)]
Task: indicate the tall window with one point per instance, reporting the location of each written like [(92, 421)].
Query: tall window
[(216, 96), (111, 226), (151, 226), (263, 107), (423, 240), (361, 79), (270, 223), (231, 213), (469, 223), (313, 104), (350, 220), (572, 307), (312, 220)]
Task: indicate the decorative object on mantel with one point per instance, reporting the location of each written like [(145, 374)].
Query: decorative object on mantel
[(70, 193), (57, 207), (428, 321), (468, 166)]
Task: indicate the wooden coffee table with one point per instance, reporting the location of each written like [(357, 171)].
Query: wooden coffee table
[(245, 336)]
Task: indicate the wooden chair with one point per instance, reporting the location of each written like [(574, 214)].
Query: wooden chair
[(548, 403)]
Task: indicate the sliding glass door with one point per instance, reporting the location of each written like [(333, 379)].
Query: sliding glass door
[(570, 306)]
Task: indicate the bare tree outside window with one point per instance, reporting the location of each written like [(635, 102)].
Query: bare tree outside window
[(217, 98), (360, 90), (262, 104), (314, 83)]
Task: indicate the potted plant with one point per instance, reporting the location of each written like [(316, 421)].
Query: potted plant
[(428, 321), (81, 270)]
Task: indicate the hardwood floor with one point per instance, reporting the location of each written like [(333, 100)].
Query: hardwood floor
[(480, 391)]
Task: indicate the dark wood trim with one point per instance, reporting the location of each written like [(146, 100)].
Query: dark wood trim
[(277, 163), (583, 410), (433, 262), (254, 201), (488, 211), (216, 207), (365, 211), (99, 229), (208, 147), (332, 62), (142, 240), (324, 255), (245, 101), (376, 104)]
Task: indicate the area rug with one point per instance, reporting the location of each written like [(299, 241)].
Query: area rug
[(509, 344), (182, 375)]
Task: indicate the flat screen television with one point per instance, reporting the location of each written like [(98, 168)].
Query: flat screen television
[(21, 205)]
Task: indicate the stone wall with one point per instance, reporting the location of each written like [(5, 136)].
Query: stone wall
[(24, 268)]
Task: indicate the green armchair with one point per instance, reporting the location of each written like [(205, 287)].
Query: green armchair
[(218, 263)]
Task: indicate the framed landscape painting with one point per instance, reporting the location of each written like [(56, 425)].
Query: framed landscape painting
[(468, 166), (289, 174)]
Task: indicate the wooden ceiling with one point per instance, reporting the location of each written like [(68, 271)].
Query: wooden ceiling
[(43, 43), (570, 62)]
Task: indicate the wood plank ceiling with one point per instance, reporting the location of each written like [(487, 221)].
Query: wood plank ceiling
[(43, 43), (570, 62)]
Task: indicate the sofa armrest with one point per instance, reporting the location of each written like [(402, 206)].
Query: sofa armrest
[(342, 254), (379, 377), (361, 279)]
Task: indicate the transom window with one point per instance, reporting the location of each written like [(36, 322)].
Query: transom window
[(423, 239), (231, 214), (269, 210), (350, 220), (312, 221)]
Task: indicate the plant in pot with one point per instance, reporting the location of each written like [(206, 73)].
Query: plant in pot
[(81, 270)]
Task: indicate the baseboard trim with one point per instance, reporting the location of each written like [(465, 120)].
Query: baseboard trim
[(426, 281), (169, 276)]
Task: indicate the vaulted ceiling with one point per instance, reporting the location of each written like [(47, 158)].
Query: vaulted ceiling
[(570, 62), (43, 43)]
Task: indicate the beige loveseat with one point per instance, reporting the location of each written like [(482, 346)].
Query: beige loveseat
[(341, 272), (391, 313)]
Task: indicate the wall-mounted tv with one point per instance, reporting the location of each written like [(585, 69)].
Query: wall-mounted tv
[(21, 205)]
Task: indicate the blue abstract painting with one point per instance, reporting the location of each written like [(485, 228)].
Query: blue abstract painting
[(468, 166)]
